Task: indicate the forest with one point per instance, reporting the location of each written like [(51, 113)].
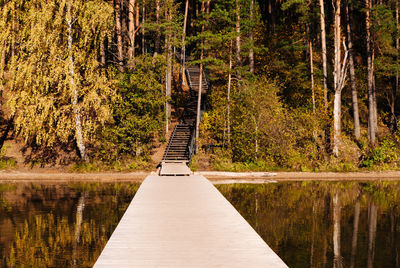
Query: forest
[(296, 84)]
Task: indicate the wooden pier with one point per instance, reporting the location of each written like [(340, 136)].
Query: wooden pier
[(184, 221)]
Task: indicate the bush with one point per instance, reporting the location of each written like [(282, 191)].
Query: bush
[(138, 113), (385, 153)]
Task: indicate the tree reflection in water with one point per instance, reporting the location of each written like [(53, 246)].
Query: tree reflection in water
[(59, 225), (324, 224), (306, 223)]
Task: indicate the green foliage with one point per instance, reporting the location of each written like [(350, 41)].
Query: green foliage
[(43, 81), (133, 164), (265, 135), (6, 162), (385, 153), (138, 115)]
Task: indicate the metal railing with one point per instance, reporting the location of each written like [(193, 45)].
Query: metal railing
[(169, 144), (191, 145)]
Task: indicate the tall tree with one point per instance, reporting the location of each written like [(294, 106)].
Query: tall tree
[(143, 20), (228, 116), (238, 39), (64, 97), (372, 116), (324, 59), (251, 37), (339, 77), (183, 52), (203, 7), (131, 28), (73, 87), (118, 29), (168, 44), (354, 93), (157, 42), (310, 51), (393, 119)]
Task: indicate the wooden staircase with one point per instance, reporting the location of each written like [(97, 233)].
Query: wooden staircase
[(193, 77), (178, 145), (181, 143)]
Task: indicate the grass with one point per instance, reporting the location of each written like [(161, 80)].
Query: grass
[(7, 163), (136, 164)]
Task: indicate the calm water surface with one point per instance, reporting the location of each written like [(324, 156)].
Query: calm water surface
[(324, 224), (309, 224), (59, 225)]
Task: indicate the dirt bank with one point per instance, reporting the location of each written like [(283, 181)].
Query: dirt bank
[(216, 177)]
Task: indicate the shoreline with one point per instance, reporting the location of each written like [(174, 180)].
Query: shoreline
[(56, 176)]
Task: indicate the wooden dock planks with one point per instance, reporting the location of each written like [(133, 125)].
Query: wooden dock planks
[(184, 222)]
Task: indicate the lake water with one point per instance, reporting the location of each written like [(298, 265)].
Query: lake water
[(308, 224), (48, 225), (324, 224)]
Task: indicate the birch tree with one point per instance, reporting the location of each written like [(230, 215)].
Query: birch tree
[(203, 7), (238, 37), (251, 37), (131, 28), (58, 97), (339, 77)]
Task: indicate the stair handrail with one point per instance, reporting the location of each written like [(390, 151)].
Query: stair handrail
[(191, 147), (169, 143), (204, 76), (188, 79)]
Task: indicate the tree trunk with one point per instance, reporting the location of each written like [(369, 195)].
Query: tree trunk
[(256, 139), (372, 218), (102, 53), (2, 62), (251, 37), (158, 34), (336, 123), (169, 65), (131, 29), (271, 14), (237, 28), (338, 78), (13, 30), (354, 94), (200, 82), (183, 52), (76, 110), (143, 20), (229, 94), (393, 119), (324, 60), (355, 234), (310, 49), (337, 262), (118, 29), (370, 76), (137, 17)]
